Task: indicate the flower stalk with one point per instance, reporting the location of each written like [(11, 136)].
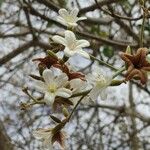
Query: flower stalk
[(119, 72), (103, 63)]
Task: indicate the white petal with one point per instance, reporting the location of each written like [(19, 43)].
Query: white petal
[(61, 20), (63, 92), (82, 43), (76, 84), (37, 135), (48, 144), (74, 12), (83, 53), (91, 79), (108, 79), (48, 76), (94, 93), (81, 18), (103, 94), (74, 24), (41, 134), (70, 37), (97, 69), (63, 13), (69, 52), (49, 98), (74, 100), (56, 71), (41, 86), (87, 101), (61, 80), (59, 39)]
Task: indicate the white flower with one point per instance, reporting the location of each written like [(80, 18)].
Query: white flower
[(78, 86), (53, 86), (99, 83), (69, 18), (45, 135), (72, 45)]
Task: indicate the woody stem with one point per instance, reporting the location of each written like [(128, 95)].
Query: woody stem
[(142, 28)]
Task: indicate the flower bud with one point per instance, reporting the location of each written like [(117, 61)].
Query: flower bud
[(116, 82), (55, 119), (65, 111), (128, 50)]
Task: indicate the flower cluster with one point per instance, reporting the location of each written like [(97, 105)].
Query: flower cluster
[(60, 85), (62, 88)]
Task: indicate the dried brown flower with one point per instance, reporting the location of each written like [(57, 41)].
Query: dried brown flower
[(137, 65), (47, 61), (59, 137), (71, 74)]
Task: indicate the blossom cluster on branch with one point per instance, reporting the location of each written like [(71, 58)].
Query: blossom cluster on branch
[(62, 88)]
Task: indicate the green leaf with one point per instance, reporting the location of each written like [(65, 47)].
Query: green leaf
[(108, 51)]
